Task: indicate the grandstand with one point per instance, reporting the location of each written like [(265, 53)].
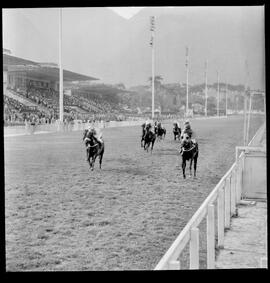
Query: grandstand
[(31, 93)]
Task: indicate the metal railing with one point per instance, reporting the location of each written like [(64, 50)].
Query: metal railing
[(226, 195)]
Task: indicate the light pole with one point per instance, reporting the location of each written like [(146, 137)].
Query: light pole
[(249, 112), (61, 106), (205, 106), (226, 97), (217, 93), (245, 102), (152, 29), (187, 81)]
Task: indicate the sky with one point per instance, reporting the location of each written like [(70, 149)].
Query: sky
[(126, 12), (226, 37)]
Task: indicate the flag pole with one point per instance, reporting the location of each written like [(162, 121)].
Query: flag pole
[(61, 108)]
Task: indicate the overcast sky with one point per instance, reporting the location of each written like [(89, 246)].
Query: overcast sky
[(99, 43)]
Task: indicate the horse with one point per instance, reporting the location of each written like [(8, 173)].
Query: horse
[(93, 149), (176, 131), (160, 132), (149, 138), (189, 151)]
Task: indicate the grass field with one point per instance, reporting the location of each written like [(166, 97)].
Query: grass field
[(61, 216)]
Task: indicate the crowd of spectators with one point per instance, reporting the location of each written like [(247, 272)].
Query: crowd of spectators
[(47, 107)]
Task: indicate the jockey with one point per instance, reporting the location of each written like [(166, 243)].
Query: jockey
[(177, 124), (148, 124), (187, 129), (95, 132)]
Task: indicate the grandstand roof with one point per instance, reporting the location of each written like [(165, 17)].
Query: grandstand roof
[(9, 60), (48, 73), (40, 70)]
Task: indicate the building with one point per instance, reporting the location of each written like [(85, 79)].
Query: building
[(20, 73)]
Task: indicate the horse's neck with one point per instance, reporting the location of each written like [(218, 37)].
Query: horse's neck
[(189, 145), (92, 141)]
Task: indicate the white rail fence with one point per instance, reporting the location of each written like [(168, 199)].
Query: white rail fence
[(226, 195)]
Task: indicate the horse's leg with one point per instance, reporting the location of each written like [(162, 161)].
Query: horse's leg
[(147, 148), (153, 141), (91, 163), (190, 167), (87, 154), (183, 167), (195, 165), (100, 160)]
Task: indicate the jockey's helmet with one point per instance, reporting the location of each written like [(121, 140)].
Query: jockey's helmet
[(187, 124)]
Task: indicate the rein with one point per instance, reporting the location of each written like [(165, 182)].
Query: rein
[(189, 149), (92, 145)]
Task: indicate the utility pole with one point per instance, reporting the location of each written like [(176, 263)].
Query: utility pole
[(205, 106), (61, 104), (217, 93), (152, 29), (187, 81)]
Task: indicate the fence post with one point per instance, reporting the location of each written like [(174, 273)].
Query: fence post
[(239, 179), (211, 237), (194, 248), (237, 169), (227, 203), (233, 193), (242, 175), (174, 265), (221, 218)]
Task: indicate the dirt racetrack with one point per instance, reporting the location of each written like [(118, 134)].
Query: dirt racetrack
[(61, 216)]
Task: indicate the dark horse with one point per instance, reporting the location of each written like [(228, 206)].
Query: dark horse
[(176, 131), (149, 138), (93, 149), (189, 151), (160, 131)]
